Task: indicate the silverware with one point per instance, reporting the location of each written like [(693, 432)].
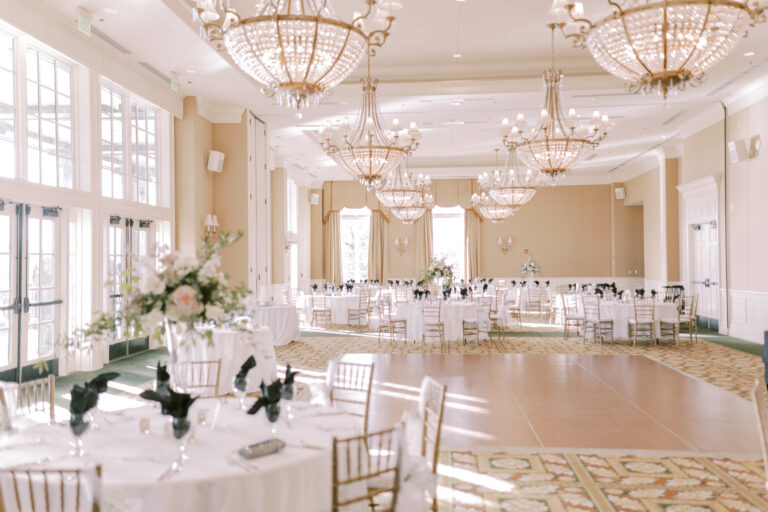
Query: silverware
[(175, 468), (306, 445)]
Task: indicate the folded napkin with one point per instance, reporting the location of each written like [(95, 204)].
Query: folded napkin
[(240, 378), (270, 395), (99, 383), (82, 399), (162, 378), (173, 404), (287, 389)]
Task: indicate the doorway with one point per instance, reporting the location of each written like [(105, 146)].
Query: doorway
[(705, 272)]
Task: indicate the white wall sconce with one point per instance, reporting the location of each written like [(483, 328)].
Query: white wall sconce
[(504, 245), (401, 244), (211, 226)]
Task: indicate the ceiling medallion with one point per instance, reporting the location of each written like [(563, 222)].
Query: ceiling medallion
[(412, 213), (661, 46), (558, 143), (367, 150), (515, 187), (400, 188), (297, 49)]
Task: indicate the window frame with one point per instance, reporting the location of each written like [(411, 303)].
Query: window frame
[(358, 213), (457, 213)]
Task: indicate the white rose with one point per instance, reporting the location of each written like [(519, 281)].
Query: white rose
[(213, 312), (150, 283), (186, 264), (209, 270), (152, 319), (184, 299)]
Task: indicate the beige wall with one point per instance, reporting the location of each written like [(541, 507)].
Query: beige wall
[(278, 198), (627, 230), (703, 154), (672, 220), (645, 191), (316, 236)]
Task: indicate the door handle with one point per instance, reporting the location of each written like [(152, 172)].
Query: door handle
[(28, 304), (15, 307)]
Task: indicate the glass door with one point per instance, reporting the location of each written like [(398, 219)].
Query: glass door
[(10, 301)]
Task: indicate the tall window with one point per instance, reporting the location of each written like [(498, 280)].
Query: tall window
[(143, 153), (292, 236), (7, 109), (448, 237), (50, 157), (112, 156), (355, 230)]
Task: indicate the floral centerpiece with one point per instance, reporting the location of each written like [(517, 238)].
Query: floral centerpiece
[(439, 270), (188, 295), (529, 268)]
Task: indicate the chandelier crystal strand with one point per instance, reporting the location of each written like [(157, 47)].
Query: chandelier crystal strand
[(490, 209), (367, 150), (662, 46), (515, 187), (412, 213), (558, 143), (400, 188), (297, 49)]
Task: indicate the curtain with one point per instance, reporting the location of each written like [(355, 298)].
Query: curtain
[(376, 248), (426, 229), (472, 243), (332, 256)]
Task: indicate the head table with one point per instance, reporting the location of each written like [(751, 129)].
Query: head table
[(214, 477)]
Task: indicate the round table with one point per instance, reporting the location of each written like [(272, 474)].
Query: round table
[(452, 314), (233, 348), (214, 477), (621, 312), (283, 319), (340, 306)]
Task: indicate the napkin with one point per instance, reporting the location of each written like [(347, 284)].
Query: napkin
[(99, 383), (287, 389), (240, 378), (173, 404), (162, 378), (82, 399), (270, 395)]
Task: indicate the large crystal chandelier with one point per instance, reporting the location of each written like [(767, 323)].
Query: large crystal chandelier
[(413, 212), (492, 210), (297, 49), (662, 46), (367, 150), (515, 187), (400, 188), (558, 143)]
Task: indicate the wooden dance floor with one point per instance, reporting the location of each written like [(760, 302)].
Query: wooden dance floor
[(566, 401)]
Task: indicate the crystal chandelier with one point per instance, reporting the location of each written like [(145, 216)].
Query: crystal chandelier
[(516, 187), (661, 46), (297, 49), (367, 150), (400, 188), (412, 213), (558, 143), (490, 209)]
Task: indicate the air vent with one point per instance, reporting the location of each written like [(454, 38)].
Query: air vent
[(152, 69), (111, 42)]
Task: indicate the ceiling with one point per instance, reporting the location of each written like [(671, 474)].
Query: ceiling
[(458, 103)]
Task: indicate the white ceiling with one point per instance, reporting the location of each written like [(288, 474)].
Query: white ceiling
[(457, 103)]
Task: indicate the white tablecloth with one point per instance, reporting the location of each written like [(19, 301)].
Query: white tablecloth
[(620, 313), (452, 314), (298, 478), (283, 319), (340, 306), (233, 348)]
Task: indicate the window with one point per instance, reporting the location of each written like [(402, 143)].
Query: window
[(7, 109), (41, 286), (292, 235), (143, 154), (50, 157), (112, 155), (355, 228), (448, 237), (115, 270)]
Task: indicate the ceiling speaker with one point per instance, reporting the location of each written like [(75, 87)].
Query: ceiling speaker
[(216, 161), (314, 199), (619, 191)]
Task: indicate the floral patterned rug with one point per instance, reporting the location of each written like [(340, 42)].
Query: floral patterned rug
[(515, 480)]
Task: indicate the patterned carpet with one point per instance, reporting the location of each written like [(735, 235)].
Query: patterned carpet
[(515, 480)]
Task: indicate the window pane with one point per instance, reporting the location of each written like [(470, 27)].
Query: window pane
[(7, 159), (448, 237), (6, 87), (355, 227)]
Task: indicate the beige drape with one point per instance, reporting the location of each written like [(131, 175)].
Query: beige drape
[(426, 237), (472, 243), (332, 256), (377, 246)]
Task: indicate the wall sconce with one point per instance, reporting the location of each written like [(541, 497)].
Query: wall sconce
[(401, 244), (504, 245), (211, 226)]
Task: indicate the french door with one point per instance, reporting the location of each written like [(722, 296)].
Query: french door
[(30, 285), (705, 272)]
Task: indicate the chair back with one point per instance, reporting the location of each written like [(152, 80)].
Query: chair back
[(485, 305), (48, 490), (534, 293), (591, 307), (644, 310), (360, 459), (199, 378), (760, 398), (432, 309), (385, 308), (365, 298), (318, 302), (570, 303), (349, 386), (686, 305), (498, 298), (36, 395), (432, 400), (561, 289), (401, 294)]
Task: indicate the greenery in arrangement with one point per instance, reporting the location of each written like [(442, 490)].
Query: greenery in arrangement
[(439, 268), (189, 290), (530, 267)]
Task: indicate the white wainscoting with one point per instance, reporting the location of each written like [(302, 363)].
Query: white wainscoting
[(749, 314)]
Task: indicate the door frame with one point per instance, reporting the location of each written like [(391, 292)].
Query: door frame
[(700, 204)]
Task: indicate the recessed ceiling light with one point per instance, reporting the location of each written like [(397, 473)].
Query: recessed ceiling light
[(191, 71), (110, 10), (749, 54), (456, 55)]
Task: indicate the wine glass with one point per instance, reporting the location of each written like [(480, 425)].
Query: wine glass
[(78, 426), (239, 386), (273, 413), (286, 395)]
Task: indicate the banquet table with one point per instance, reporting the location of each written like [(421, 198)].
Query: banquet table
[(282, 319), (214, 477), (338, 304), (621, 312), (233, 348), (452, 314)]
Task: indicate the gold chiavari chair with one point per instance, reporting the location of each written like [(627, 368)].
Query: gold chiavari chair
[(425, 475), (760, 399), (199, 378), (642, 325), (571, 315), (389, 324), (561, 289), (401, 295), (350, 387), (36, 395), (470, 329), (533, 302), (374, 458), (361, 311), (670, 327), (511, 304), (50, 490), (592, 321), (433, 323), (686, 306), (489, 318), (320, 310)]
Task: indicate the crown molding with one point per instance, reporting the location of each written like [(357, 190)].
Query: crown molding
[(214, 113), (748, 95)]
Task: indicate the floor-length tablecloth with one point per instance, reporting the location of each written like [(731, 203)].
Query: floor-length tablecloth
[(282, 319), (621, 312), (452, 314)]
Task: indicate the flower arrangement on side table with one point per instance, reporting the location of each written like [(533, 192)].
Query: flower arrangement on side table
[(441, 272), (530, 268)]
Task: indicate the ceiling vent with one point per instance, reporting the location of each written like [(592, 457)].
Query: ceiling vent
[(111, 42), (152, 69)]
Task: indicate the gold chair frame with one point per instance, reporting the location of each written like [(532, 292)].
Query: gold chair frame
[(352, 378), (199, 378), (25, 486)]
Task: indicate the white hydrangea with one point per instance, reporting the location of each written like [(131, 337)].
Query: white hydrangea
[(151, 283)]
